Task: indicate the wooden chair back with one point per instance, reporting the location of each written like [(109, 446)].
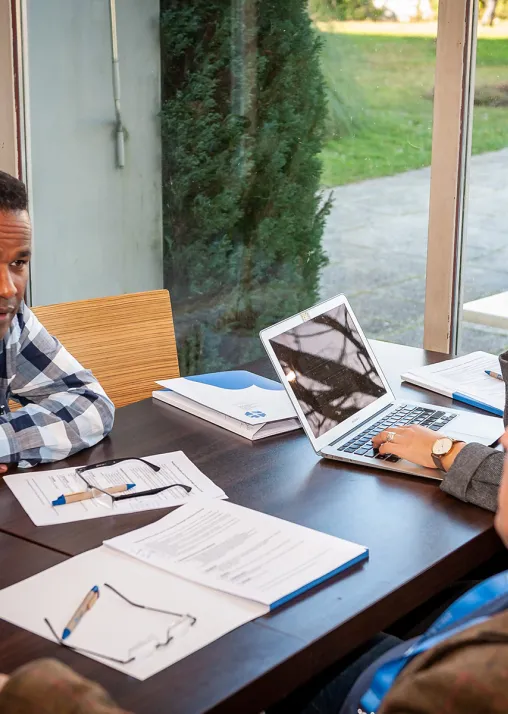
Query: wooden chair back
[(127, 341)]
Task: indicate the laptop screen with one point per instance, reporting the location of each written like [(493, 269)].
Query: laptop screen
[(329, 368)]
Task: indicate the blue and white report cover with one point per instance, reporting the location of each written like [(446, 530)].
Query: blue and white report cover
[(243, 402)]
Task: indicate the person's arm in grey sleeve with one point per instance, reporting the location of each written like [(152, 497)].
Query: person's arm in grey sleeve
[(503, 363), (476, 472)]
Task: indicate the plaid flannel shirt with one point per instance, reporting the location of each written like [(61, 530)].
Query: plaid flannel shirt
[(63, 408)]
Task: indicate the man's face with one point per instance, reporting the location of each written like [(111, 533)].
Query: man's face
[(15, 251), (501, 521)]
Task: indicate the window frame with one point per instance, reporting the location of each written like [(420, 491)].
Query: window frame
[(8, 120), (451, 152)]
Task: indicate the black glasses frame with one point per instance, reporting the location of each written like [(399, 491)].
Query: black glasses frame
[(150, 492), (159, 645)]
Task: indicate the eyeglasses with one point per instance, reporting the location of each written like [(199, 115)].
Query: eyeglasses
[(103, 498), (141, 650)]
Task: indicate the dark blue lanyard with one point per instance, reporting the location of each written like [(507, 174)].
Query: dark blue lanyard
[(473, 607)]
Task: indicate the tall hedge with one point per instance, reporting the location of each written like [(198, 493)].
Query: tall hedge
[(243, 114)]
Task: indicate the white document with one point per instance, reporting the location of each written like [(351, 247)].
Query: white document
[(36, 490), (249, 430), (239, 394), (115, 628), (463, 379), (240, 551)]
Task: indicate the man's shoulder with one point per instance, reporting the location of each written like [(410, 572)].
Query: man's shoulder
[(469, 671)]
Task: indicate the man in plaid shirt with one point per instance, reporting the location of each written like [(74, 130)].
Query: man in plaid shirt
[(63, 408)]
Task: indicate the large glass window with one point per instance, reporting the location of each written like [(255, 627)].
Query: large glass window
[(243, 116), (485, 258), (377, 155), (268, 105)]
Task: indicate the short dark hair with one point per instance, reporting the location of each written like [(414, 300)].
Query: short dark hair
[(12, 193)]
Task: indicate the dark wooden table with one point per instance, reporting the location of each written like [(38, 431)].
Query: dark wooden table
[(420, 541), (20, 560)]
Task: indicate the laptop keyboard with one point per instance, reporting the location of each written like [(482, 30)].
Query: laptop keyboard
[(361, 444)]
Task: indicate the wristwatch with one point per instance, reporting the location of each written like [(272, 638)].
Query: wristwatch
[(442, 447)]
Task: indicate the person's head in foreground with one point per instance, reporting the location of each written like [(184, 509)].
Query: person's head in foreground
[(15, 248)]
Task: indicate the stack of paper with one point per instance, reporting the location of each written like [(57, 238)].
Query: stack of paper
[(36, 490), (239, 551), (465, 380), (111, 627), (219, 564), (240, 401)]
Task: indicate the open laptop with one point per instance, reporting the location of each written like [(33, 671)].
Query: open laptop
[(342, 397)]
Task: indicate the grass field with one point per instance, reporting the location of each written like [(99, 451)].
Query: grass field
[(381, 119)]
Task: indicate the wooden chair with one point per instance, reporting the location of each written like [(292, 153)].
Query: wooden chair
[(127, 341)]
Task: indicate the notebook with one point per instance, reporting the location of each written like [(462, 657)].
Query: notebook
[(464, 380)]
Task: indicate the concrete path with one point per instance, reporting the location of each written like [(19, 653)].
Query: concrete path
[(376, 241)]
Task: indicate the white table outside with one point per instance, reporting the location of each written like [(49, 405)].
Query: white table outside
[(491, 311)]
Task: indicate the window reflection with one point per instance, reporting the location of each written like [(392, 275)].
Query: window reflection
[(329, 368)]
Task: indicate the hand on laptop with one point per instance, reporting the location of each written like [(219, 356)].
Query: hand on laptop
[(414, 443)]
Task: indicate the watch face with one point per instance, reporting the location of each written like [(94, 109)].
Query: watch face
[(442, 446)]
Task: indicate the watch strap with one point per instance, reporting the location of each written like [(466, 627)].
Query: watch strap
[(438, 462)]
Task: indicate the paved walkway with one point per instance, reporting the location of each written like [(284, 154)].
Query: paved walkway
[(376, 240)]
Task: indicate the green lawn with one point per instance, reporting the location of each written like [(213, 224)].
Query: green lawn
[(381, 118)]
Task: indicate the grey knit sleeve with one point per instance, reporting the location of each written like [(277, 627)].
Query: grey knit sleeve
[(476, 473), (475, 476), (503, 362)]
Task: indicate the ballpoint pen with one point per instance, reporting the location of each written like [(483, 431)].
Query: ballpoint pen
[(92, 493), (495, 375), (86, 605)]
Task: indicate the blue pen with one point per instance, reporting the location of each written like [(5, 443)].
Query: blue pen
[(495, 375), (86, 495), (86, 605)]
